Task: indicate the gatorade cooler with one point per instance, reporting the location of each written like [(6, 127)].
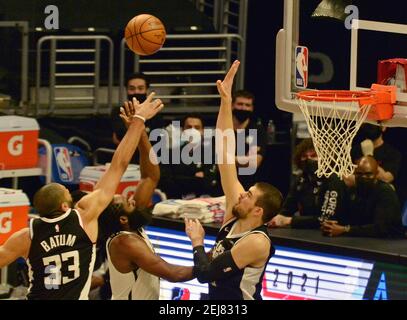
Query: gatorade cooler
[(14, 206), (91, 175), (18, 142)]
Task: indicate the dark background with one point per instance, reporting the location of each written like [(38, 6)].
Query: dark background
[(265, 18)]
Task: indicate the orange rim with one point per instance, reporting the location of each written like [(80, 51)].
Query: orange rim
[(362, 97)]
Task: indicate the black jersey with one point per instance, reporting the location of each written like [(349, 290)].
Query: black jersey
[(245, 284), (61, 258)]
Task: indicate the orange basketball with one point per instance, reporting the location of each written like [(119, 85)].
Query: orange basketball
[(145, 34)]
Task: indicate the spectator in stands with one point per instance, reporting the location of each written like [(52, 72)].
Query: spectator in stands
[(374, 208), (197, 178), (310, 200), (242, 109), (137, 86), (372, 143)]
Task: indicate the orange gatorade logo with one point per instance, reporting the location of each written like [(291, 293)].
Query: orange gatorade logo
[(12, 219), (5, 222), (15, 145)]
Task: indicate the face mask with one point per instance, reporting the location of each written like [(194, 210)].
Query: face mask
[(141, 97), (370, 131), (139, 218), (309, 166), (191, 136), (364, 186), (242, 115)]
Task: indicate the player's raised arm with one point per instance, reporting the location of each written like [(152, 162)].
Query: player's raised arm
[(226, 142), (150, 170), (93, 204)]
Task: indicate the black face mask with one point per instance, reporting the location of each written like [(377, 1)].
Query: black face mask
[(141, 97), (242, 115), (370, 131), (309, 166), (139, 218), (364, 186)]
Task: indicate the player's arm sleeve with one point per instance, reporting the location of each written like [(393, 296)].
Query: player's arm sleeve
[(221, 267)]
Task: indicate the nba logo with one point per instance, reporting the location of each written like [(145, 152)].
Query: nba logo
[(301, 67), (180, 294), (63, 161)]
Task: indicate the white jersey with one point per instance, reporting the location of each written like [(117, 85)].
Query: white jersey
[(135, 285)]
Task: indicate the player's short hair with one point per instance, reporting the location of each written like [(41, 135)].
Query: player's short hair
[(270, 200), (49, 199), (109, 221)]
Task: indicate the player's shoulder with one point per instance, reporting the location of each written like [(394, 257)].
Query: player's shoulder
[(125, 240), (257, 240), (23, 233)]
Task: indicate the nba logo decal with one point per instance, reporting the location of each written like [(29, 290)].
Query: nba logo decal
[(64, 165), (301, 67)]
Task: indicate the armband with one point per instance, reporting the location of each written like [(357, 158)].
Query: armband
[(221, 267), (140, 117)]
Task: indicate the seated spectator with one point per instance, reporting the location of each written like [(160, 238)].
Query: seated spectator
[(195, 178), (310, 199), (374, 208), (372, 143), (243, 110), (137, 86)]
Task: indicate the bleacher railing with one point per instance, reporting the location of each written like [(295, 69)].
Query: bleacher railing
[(228, 16), (66, 80), (22, 26), (185, 70)]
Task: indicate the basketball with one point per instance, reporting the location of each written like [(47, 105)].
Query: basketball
[(145, 34)]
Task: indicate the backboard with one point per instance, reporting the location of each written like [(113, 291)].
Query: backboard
[(341, 54)]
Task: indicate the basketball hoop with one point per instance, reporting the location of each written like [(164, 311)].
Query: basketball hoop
[(334, 117)]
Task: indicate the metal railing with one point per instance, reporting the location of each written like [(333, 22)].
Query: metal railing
[(23, 27), (228, 16), (211, 9), (185, 70), (71, 59)]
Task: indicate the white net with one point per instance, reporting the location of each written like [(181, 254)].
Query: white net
[(332, 126)]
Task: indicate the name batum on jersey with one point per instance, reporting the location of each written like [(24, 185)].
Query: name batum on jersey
[(58, 241)]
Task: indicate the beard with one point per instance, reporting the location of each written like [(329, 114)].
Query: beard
[(235, 211)]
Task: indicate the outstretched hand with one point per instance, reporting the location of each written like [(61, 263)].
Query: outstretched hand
[(147, 110), (225, 86), (128, 111)]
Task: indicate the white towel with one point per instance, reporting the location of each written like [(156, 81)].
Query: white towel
[(206, 210)]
